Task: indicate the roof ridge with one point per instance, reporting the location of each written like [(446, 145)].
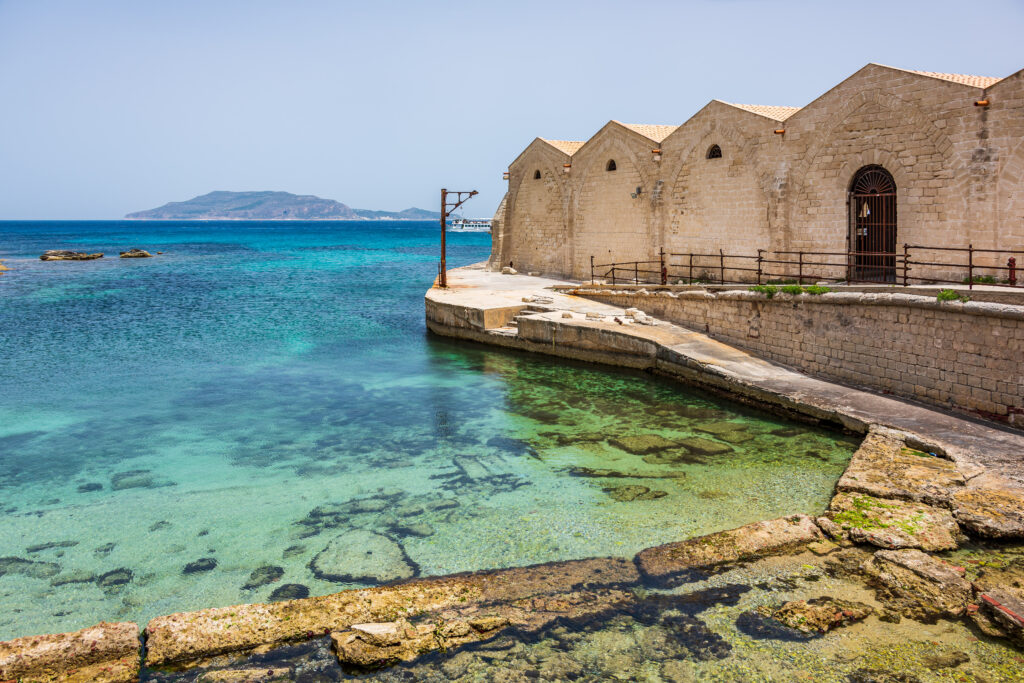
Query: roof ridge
[(568, 147), (969, 80), (776, 112), (652, 131)]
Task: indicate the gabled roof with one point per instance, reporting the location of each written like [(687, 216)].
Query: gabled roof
[(776, 113), (962, 79), (568, 147), (652, 132)]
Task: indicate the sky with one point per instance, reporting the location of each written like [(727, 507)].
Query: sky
[(108, 106)]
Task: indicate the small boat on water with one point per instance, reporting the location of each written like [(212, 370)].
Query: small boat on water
[(470, 225)]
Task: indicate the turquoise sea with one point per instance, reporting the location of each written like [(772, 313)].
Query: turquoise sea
[(227, 421)]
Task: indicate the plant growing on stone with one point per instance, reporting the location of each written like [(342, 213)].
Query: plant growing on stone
[(767, 290), (950, 295), (793, 289), (816, 290)]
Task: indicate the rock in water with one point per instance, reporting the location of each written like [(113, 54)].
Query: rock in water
[(261, 576), (642, 444), (62, 255), (289, 591), (362, 556), (203, 564), (136, 253)]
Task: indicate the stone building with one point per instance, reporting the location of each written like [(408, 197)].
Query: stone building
[(886, 158)]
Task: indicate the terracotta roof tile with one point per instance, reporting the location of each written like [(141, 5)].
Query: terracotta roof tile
[(777, 113), (565, 146), (653, 132), (962, 79)]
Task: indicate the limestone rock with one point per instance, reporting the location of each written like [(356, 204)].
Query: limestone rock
[(261, 576), (918, 585), (885, 468), (362, 556), (633, 492), (990, 512), (203, 564), (73, 576), (289, 591), (773, 537), (136, 253), (509, 270), (998, 607), (63, 255), (19, 565), (104, 653), (642, 444), (819, 614), (116, 577), (892, 524)]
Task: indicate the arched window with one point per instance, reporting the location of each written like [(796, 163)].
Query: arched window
[(536, 174), (610, 166), (714, 152)]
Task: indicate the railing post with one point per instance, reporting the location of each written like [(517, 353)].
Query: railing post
[(636, 272), (800, 267), (664, 271), (970, 266), (591, 269), (760, 259), (721, 266), (849, 272), (1011, 266), (690, 281), (613, 273), (906, 262)]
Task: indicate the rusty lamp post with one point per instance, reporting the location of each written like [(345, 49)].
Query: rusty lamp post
[(447, 206)]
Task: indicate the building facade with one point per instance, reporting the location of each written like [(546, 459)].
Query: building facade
[(887, 158)]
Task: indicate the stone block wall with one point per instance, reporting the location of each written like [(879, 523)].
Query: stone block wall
[(961, 356)]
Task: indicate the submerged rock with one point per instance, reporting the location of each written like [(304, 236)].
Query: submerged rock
[(131, 480), (203, 564), (36, 570), (893, 524), (362, 556), (50, 546), (289, 591), (261, 576), (999, 603), (117, 577), (292, 551), (136, 253), (761, 627), (633, 492), (421, 529), (917, 585), (642, 444), (90, 487), (64, 255), (819, 614), (702, 446), (73, 576)]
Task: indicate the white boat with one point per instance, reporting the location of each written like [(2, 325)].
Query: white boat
[(469, 225)]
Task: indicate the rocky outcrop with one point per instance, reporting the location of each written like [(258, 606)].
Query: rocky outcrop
[(818, 615), (104, 653), (362, 556), (991, 512), (136, 253), (663, 563), (59, 255), (889, 523), (642, 444), (884, 467), (998, 608), (917, 585)]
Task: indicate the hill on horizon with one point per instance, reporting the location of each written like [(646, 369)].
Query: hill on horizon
[(271, 205)]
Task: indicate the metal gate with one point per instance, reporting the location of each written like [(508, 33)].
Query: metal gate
[(873, 225)]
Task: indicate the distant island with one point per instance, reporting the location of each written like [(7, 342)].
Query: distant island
[(273, 206)]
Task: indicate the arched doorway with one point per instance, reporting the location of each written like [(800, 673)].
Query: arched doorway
[(873, 225)]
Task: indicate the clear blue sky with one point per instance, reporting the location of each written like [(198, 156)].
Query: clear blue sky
[(113, 106)]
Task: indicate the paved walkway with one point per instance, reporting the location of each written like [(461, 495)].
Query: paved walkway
[(985, 453)]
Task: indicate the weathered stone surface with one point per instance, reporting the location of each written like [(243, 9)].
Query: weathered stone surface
[(104, 653), (998, 607), (885, 468), (777, 536), (642, 444), (634, 492), (136, 253), (889, 523), (818, 614), (363, 556), (991, 512), (918, 585), (261, 576), (63, 255)]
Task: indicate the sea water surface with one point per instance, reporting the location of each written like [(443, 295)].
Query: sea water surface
[(195, 429)]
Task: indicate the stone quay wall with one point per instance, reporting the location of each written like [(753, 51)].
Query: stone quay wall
[(964, 356)]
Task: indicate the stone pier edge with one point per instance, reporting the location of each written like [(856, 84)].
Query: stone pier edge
[(118, 652)]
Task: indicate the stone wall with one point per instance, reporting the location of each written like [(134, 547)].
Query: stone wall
[(958, 168), (960, 356)]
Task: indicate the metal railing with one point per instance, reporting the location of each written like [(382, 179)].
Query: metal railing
[(978, 266)]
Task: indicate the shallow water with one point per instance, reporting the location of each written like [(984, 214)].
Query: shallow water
[(230, 398)]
